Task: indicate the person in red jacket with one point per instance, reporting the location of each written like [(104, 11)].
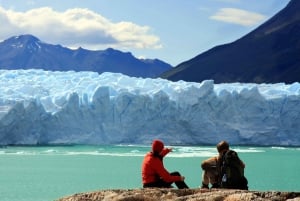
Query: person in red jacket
[(154, 173)]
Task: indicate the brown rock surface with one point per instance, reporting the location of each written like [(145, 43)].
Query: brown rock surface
[(156, 194)]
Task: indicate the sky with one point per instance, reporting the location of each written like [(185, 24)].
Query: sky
[(170, 30)]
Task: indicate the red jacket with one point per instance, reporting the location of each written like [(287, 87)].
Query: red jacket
[(153, 169)]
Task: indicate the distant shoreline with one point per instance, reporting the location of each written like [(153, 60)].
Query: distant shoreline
[(132, 144)]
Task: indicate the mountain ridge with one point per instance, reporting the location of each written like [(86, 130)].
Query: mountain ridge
[(27, 51), (268, 54)]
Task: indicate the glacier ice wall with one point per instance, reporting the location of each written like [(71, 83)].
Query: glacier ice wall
[(44, 107)]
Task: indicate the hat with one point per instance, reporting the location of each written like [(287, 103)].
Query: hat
[(157, 146)]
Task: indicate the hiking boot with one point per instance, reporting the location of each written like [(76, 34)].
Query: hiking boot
[(204, 186), (215, 185)]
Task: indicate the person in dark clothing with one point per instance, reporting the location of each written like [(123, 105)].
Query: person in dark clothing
[(154, 173), (212, 167)]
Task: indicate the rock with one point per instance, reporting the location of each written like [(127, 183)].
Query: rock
[(155, 194)]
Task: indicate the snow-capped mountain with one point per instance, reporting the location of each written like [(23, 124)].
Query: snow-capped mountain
[(28, 52)]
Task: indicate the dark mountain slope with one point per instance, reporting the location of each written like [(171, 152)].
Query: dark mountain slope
[(269, 54), (27, 51)]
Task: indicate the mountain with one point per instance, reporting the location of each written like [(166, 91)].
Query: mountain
[(269, 54), (28, 52)]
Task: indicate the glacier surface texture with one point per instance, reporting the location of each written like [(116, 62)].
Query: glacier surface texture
[(45, 107)]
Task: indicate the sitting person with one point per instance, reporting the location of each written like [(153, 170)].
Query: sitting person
[(154, 173), (210, 175), (225, 170)]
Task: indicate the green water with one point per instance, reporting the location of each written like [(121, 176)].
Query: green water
[(48, 173)]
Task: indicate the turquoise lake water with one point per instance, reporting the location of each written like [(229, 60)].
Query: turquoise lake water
[(48, 173)]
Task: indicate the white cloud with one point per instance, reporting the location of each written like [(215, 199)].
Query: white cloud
[(76, 27), (238, 16)]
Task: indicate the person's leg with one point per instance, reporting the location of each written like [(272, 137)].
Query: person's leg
[(158, 184), (214, 178), (205, 179), (179, 184), (210, 176)]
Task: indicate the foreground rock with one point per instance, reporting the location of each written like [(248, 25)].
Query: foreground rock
[(182, 195)]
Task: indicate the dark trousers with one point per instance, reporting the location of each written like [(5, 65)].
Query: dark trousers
[(162, 184)]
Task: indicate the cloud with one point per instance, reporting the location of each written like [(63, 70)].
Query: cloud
[(76, 27), (238, 16)]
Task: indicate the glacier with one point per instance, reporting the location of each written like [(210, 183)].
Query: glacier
[(40, 107)]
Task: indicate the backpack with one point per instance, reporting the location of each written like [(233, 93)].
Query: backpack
[(232, 172)]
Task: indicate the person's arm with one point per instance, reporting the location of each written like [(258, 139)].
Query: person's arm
[(242, 163), (165, 151), (209, 163), (164, 174)]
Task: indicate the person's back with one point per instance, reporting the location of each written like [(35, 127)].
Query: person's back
[(232, 171), (151, 166)]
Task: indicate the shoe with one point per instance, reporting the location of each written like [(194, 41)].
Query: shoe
[(204, 186), (215, 185)]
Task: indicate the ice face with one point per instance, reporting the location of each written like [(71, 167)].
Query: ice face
[(45, 107)]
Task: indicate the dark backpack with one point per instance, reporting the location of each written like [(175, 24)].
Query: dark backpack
[(232, 172)]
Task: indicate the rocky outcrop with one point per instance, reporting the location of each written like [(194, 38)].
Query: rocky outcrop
[(156, 194)]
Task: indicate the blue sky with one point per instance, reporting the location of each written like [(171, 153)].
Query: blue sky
[(171, 30)]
